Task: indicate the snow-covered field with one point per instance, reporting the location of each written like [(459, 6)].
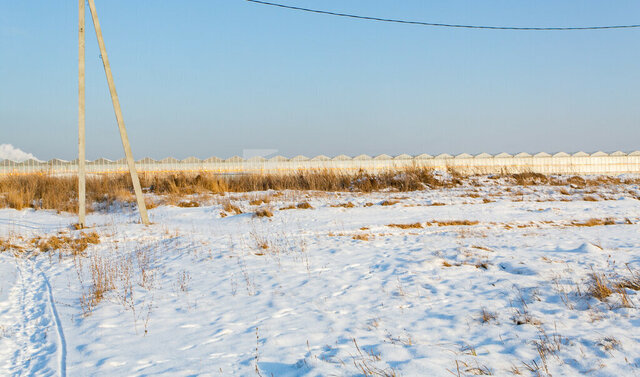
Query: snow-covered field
[(479, 279)]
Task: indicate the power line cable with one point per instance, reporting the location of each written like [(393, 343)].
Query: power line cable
[(421, 23)]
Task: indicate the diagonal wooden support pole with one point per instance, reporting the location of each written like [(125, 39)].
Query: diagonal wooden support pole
[(81, 146), (116, 107)]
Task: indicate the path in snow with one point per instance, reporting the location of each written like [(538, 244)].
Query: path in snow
[(31, 339)]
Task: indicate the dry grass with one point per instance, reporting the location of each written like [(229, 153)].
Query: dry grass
[(487, 316), (361, 237), (76, 246), (264, 212), (260, 200), (102, 277), (600, 287), (527, 179), (60, 193), (609, 343), (304, 205), (103, 273), (231, 208), (189, 204), (454, 223), (632, 283), (546, 346), (406, 226), (344, 205), (594, 222), (409, 179), (365, 363), (6, 245)]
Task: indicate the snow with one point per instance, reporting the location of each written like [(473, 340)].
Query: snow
[(206, 299), (9, 152)]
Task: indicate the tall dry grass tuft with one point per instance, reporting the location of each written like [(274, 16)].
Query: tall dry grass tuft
[(600, 287)]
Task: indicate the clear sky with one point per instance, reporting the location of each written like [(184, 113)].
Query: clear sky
[(214, 77)]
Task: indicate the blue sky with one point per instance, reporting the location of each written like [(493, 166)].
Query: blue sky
[(215, 77)]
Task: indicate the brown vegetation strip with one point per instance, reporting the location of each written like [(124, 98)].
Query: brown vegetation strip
[(594, 222), (60, 193), (59, 242), (528, 179), (406, 226), (454, 223)]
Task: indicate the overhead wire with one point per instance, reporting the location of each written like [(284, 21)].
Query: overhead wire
[(446, 25)]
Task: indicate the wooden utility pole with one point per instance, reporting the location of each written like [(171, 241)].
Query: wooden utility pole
[(81, 146), (116, 107)]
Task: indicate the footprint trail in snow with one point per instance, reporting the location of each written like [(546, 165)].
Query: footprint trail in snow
[(31, 338)]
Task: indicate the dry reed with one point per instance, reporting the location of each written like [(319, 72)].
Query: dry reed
[(60, 193)]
